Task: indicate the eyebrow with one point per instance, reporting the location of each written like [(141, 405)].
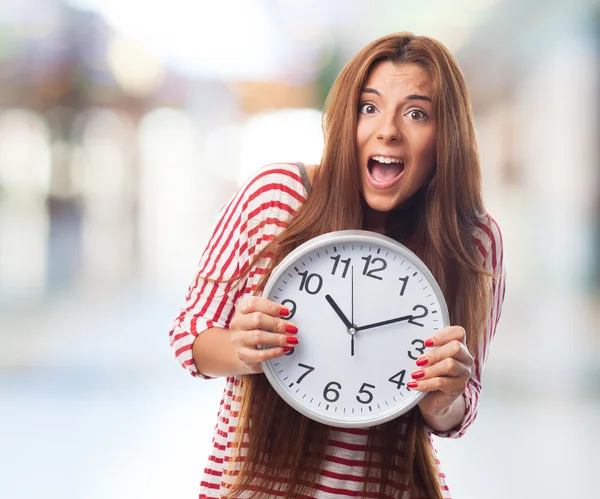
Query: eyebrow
[(369, 90)]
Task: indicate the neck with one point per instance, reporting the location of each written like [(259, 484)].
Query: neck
[(374, 220)]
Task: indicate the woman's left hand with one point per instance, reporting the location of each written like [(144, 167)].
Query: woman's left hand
[(443, 372)]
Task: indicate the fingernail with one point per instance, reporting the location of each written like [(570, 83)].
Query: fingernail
[(291, 329), (418, 374), (284, 311), (422, 361), (429, 343), (292, 340), (412, 384), (287, 349)]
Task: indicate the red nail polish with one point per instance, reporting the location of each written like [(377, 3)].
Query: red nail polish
[(418, 374), (422, 361), (287, 349), (292, 340), (412, 384), (429, 343), (284, 311), (291, 329)]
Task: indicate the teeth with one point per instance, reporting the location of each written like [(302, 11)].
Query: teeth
[(385, 160)]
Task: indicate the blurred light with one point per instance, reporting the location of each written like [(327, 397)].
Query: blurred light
[(225, 39), (138, 71), (24, 152), (33, 19), (108, 148), (25, 180), (222, 151), (108, 180), (172, 192), (288, 135)]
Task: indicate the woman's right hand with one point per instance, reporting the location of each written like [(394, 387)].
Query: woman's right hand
[(258, 321)]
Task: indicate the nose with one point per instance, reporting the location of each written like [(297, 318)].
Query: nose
[(389, 131)]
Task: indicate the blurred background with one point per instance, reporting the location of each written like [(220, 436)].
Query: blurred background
[(125, 126)]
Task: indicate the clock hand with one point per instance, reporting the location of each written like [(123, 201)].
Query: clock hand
[(338, 311), (352, 308), (383, 323)]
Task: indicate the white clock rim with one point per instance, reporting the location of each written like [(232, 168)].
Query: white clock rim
[(342, 237)]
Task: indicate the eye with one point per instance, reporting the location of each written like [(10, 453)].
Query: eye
[(367, 108), (417, 115)]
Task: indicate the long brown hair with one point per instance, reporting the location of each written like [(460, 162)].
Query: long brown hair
[(284, 449)]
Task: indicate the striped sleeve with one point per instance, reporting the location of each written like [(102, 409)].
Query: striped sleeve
[(488, 240), (253, 217)]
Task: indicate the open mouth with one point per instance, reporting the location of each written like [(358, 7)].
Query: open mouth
[(385, 169)]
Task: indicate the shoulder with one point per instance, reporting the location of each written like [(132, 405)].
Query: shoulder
[(273, 180), (487, 237), (311, 170), (275, 191)]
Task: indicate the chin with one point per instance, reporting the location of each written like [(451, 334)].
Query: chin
[(383, 204)]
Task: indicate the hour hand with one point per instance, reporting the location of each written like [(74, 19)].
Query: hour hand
[(384, 323), (338, 311)]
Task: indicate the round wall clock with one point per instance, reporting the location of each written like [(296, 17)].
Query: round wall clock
[(364, 305)]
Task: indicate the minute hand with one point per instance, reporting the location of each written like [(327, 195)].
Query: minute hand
[(383, 323)]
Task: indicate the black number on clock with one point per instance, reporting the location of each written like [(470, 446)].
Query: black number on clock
[(291, 308), (371, 273), (398, 378), (420, 349), (346, 263), (309, 369), (291, 351), (306, 282), (369, 395), (328, 391), (423, 314), (404, 283)]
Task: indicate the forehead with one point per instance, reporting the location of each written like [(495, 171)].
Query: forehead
[(411, 77)]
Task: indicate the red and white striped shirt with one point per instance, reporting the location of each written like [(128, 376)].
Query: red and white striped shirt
[(259, 211)]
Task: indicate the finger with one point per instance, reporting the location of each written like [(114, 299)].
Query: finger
[(249, 356), (256, 337), (447, 335), (446, 384), (453, 350), (447, 368), (263, 305), (259, 320), (257, 312)]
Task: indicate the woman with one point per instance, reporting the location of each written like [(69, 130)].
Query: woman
[(400, 158)]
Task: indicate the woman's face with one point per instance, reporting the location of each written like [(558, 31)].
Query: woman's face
[(395, 135)]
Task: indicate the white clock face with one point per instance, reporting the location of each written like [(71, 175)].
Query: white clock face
[(364, 306)]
